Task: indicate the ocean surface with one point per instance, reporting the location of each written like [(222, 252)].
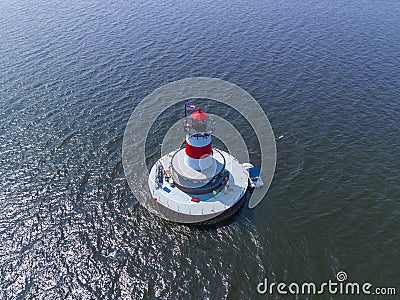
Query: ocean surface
[(326, 73)]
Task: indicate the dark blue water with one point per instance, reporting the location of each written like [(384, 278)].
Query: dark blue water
[(327, 75)]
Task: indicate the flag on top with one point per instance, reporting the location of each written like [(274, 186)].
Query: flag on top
[(190, 106)]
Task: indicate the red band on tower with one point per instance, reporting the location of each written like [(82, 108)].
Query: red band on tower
[(198, 152)]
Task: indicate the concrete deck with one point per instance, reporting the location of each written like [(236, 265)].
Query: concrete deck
[(210, 204)]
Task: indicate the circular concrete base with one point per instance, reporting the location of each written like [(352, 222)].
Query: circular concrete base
[(179, 206)]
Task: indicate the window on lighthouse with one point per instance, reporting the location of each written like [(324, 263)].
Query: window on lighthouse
[(199, 125)]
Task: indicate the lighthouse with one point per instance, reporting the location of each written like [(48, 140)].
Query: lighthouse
[(198, 150), (198, 167), (198, 183)]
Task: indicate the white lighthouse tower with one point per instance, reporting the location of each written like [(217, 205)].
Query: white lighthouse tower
[(198, 183)]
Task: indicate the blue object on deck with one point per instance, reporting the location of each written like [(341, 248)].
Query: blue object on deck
[(166, 189), (254, 172)]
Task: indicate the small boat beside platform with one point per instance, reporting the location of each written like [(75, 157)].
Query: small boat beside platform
[(254, 175)]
